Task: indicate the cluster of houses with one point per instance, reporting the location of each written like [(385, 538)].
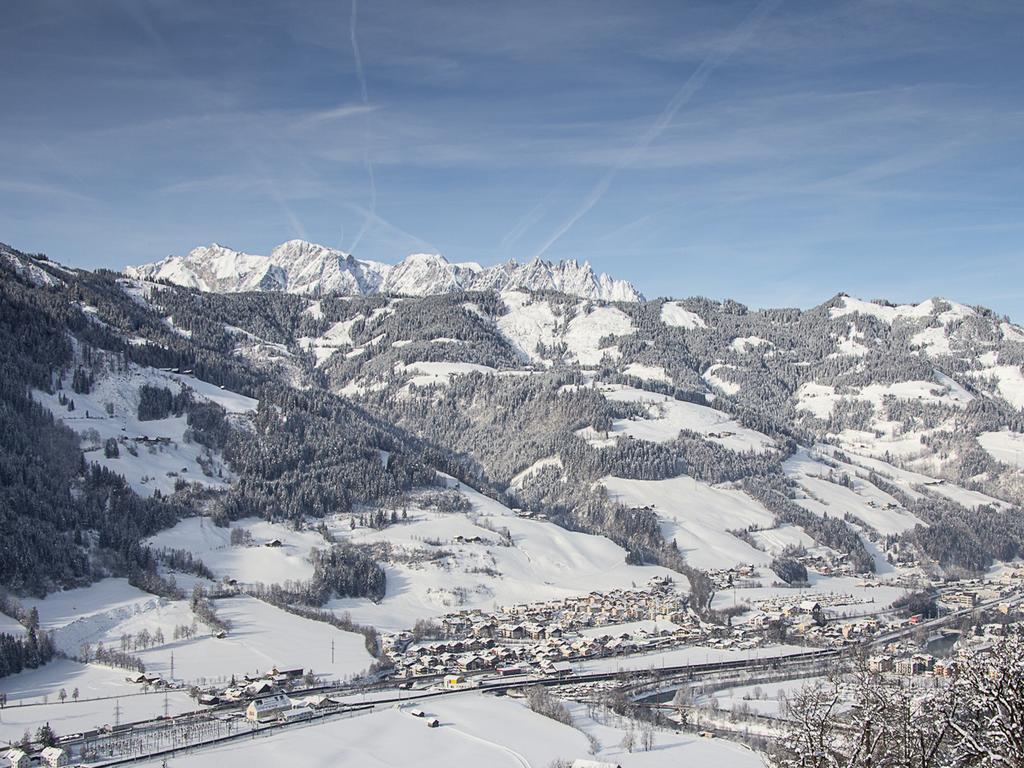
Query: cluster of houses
[(551, 656), (149, 680), (907, 666), (738, 577), (546, 636), (801, 612), (828, 563), (50, 756), (969, 594), (253, 687)]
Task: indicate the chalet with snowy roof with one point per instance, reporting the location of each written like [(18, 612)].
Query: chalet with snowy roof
[(556, 668), (260, 688), (471, 663)]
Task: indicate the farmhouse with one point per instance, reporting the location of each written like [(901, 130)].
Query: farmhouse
[(267, 708), (55, 757)]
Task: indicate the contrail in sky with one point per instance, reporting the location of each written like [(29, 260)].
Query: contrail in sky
[(694, 83), (369, 219)]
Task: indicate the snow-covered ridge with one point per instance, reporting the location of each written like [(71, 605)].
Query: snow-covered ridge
[(316, 270), (945, 311)]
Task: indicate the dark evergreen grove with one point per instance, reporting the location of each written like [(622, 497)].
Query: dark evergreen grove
[(17, 654)]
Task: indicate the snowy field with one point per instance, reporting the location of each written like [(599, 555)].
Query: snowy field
[(474, 730), (528, 322), (1009, 382), (718, 382), (667, 416), (912, 312), (647, 372), (820, 399), (246, 564), (10, 626), (767, 699), (584, 333), (337, 337), (670, 749), (775, 540), (426, 374), (1004, 446), (675, 315), (823, 496), (261, 635), (86, 614), (101, 690), (698, 516), (913, 484)]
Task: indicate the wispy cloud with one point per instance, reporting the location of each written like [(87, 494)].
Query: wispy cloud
[(404, 238), (341, 112), (367, 159), (49, 192), (692, 85), (809, 133)]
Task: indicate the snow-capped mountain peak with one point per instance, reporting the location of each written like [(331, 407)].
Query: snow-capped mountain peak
[(216, 268), (298, 266)]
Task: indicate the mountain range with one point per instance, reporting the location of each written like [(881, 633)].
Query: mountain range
[(692, 433), (310, 269)]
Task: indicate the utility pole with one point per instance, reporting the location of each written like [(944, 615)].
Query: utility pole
[(166, 706), (117, 711), (332, 651), (172, 665)]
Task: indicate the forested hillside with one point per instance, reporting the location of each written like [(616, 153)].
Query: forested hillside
[(869, 427)]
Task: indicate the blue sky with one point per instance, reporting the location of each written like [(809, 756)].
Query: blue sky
[(775, 152)]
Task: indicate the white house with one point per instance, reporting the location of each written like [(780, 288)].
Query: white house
[(267, 708), (454, 681), (55, 757), (17, 758)]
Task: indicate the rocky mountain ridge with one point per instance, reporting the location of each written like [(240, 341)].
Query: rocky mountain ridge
[(301, 267)]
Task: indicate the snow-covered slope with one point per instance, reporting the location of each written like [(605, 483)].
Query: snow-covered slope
[(476, 570), (298, 266), (153, 454)]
